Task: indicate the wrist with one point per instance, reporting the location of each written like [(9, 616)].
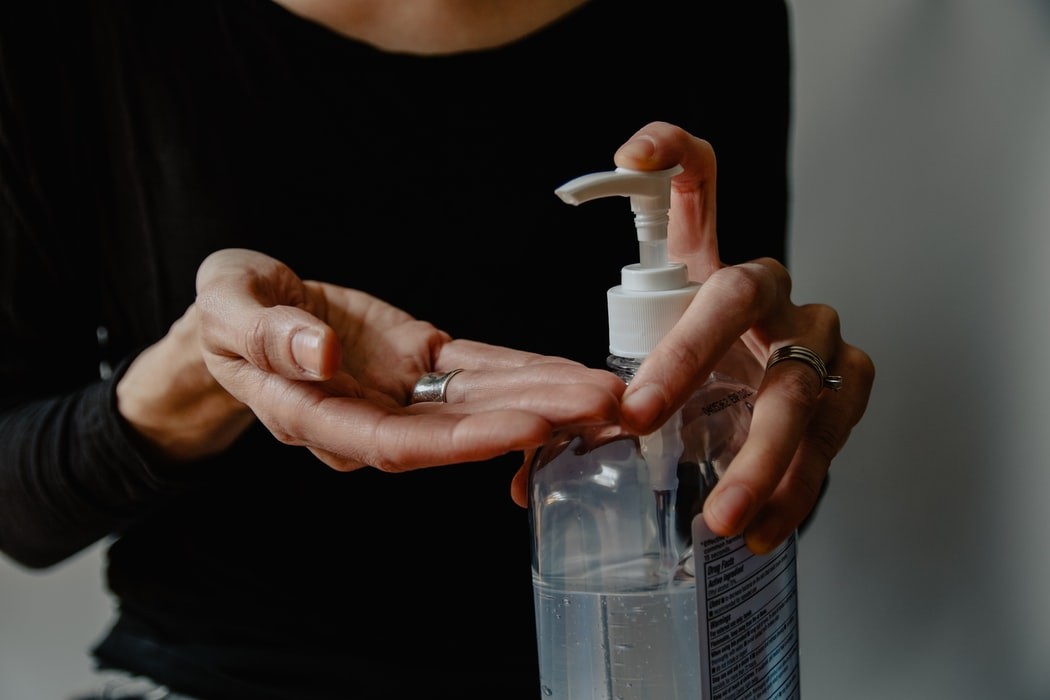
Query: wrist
[(172, 403)]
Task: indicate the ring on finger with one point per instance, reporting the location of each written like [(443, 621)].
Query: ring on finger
[(811, 358), (432, 386)]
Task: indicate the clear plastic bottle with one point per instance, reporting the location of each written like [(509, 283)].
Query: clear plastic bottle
[(614, 572), (634, 597)]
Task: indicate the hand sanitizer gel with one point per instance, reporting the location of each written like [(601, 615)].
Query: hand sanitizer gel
[(635, 598)]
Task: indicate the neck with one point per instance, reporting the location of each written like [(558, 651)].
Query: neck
[(433, 26)]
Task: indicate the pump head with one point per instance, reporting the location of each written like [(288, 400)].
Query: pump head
[(653, 293)]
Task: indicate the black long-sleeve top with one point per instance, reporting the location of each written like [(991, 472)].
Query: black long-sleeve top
[(137, 136)]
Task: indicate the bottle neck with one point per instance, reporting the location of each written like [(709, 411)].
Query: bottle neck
[(736, 367), (623, 367)]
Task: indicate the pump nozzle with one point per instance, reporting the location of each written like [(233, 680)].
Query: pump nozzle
[(650, 194), (653, 293)]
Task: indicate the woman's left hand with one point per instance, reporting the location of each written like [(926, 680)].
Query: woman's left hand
[(798, 425)]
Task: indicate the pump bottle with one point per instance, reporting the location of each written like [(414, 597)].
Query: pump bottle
[(634, 597)]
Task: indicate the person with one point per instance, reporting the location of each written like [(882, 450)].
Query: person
[(235, 236)]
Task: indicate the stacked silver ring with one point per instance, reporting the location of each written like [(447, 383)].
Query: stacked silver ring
[(804, 354), (432, 385)]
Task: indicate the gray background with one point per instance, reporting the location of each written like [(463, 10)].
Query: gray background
[(921, 211)]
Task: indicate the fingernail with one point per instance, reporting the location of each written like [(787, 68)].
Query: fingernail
[(730, 507), (764, 537), (642, 406), (639, 148), (306, 349)]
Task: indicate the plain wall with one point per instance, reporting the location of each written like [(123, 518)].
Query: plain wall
[(921, 211)]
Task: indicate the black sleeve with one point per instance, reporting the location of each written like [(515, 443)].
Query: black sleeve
[(69, 474), (69, 471)]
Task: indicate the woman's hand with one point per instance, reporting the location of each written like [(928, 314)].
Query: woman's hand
[(168, 396), (798, 426), (333, 369)]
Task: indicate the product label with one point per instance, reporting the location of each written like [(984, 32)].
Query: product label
[(748, 616)]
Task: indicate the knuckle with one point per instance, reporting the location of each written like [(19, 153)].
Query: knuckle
[(256, 345), (774, 275), (279, 431), (741, 281), (825, 441), (824, 316), (861, 366), (799, 386), (390, 449), (390, 464), (288, 420), (428, 335), (760, 284), (427, 329)]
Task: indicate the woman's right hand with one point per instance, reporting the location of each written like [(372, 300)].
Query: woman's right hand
[(332, 369)]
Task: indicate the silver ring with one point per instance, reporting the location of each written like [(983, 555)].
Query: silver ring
[(804, 354), (431, 386)]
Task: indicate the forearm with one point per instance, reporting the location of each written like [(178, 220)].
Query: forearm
[(70, 474)]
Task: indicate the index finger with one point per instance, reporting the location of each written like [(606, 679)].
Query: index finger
[(691, 233), (724, 308)]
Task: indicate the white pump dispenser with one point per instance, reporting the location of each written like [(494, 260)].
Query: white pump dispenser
[(652, 295)]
